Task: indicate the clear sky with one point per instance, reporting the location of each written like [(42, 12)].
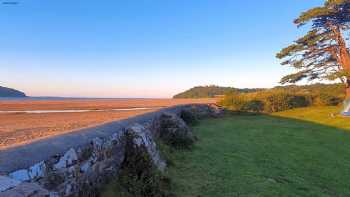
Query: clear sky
[(143, 48)]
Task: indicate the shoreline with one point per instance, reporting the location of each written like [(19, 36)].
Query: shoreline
[(59, 144), (71, 104), (24, 128)]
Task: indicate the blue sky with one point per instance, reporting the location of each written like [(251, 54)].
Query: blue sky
[(143, 48)]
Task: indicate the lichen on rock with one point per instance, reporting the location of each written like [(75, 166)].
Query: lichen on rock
[(142, 169), (142, 138)]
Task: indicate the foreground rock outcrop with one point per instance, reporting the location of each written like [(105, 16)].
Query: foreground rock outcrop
[(83, 171)]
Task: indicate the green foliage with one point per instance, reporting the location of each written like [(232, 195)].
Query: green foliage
[(326, 99), (276, 101), (280, 101), (253, 106), (267, 101), (321, 53), (210, 92), (138, 176), (234, 101), (283, 98)]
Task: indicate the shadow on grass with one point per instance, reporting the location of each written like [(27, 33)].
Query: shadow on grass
[(247, 154), (327, 118)]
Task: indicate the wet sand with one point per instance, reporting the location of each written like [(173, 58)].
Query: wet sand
[(21, 128)]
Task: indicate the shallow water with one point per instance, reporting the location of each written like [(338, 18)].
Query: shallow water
[(77, 110)]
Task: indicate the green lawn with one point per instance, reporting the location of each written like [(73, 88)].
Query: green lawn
[(277, 155), (322, 115)]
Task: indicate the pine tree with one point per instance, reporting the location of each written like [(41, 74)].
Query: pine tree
[(322, 53)]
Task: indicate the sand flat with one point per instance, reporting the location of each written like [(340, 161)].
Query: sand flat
[(21, 128)]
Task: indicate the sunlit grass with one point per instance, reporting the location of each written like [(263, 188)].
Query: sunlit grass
[(329, 116)]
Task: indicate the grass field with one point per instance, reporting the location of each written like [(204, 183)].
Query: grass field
[(328, 116), (302, 152)]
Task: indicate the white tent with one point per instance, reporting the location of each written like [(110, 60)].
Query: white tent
[(346, 110)]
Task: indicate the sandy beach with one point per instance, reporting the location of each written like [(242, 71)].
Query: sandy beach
[(20, 128)]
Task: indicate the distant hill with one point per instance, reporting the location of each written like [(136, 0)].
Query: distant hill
[(9, 92), (211, 91)]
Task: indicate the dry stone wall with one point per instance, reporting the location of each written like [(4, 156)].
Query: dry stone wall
[(82, 170)]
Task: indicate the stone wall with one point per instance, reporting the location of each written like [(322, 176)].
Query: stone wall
[(78, 164)]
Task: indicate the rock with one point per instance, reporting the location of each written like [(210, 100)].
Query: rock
[(205, 111), (69, 158), (143, 137), (20, 175), (189, 116), (72, 171), (216, 111), (26, 190), (97, 152), (85, 153), (201, 111), (53, 180), (174, 131), (86, 166), (7, 183), (68, 190), (37, 171), (97, 144)]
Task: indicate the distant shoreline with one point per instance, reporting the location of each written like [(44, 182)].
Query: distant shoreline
[(44, 98)]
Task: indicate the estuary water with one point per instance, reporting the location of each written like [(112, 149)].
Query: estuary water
[(68, 110), (76, 110)]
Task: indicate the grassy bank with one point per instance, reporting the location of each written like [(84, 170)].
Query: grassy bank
[(301, 152), (267, 156)]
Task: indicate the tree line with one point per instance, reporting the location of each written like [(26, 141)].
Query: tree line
[(285, 97), (211, 91)]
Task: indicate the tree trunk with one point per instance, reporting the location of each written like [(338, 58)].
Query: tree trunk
[(345, 60), (343, 57)]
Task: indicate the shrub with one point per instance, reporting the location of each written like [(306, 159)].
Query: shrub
[(138, 175), (254, 106), (266, 101), (325, 99), (285, 98), (234, 102), (295, 101), (277, 101)]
